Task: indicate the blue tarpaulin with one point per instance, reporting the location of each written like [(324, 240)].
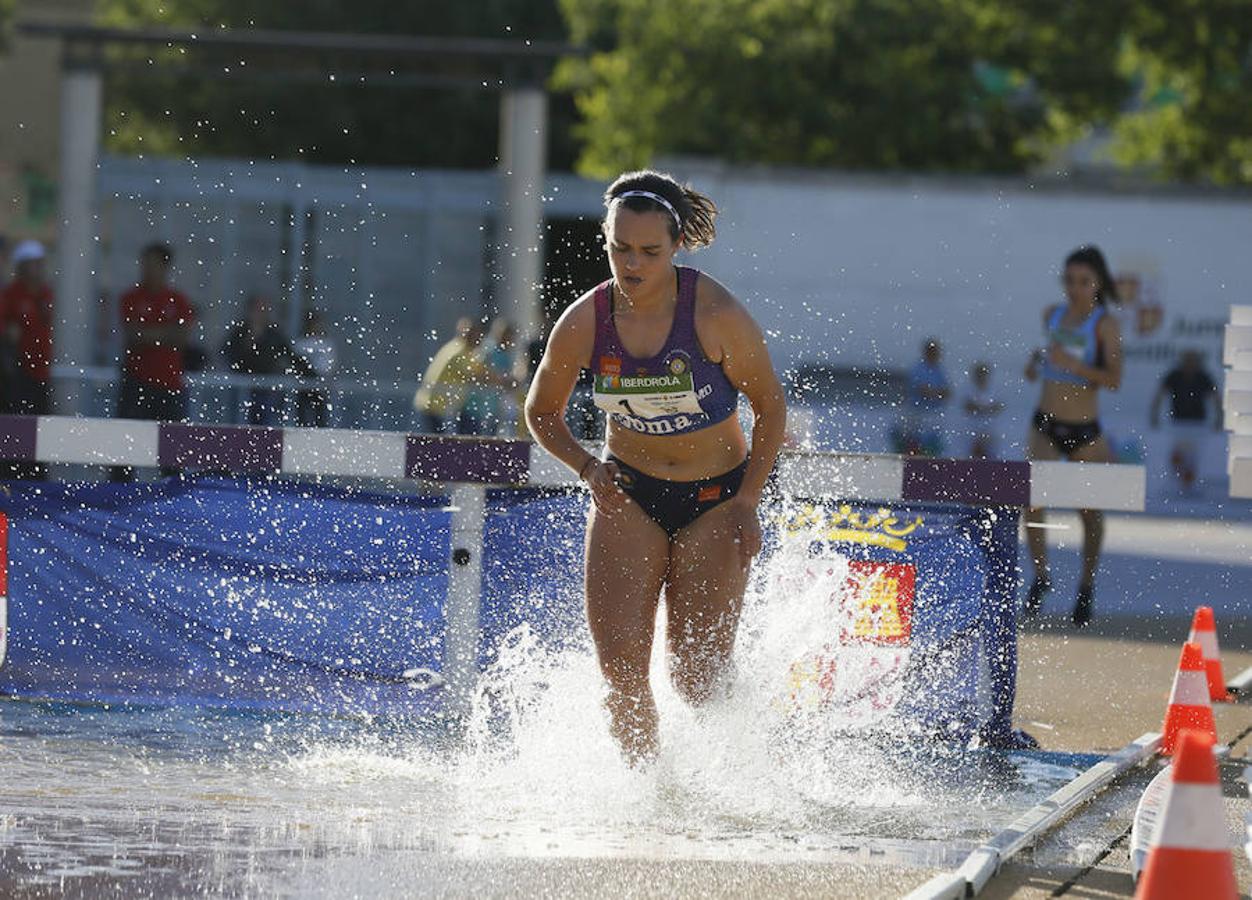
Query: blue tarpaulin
[(283, 595), (937, 582), (250, 594)]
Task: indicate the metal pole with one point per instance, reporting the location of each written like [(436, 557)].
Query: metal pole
[(81, 103), (523, 160)]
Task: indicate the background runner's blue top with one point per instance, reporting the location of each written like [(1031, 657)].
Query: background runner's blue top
[(674, 392), (1082, 343)]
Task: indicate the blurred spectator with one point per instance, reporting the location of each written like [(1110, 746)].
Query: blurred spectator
[(4, 261), (921, 432), (26, 317), (255, 345), (928, 383), (455, 370), (981, 408), (493, 408), (318, 350), (1189, 388), (156, 319), (156, 325)]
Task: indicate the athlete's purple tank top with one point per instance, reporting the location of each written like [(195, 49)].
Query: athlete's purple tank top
[(674, 392)]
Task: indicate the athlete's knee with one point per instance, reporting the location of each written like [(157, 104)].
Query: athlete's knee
[(694, 687), (626, 675), (698, 678)]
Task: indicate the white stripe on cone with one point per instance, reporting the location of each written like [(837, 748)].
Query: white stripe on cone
[(1207, 641), (1194, 818), (1247, 819), (1190, 689)]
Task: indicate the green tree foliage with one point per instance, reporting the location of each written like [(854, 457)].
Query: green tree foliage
[(942, 85), (166, 107), (955, 85), (1193, 118), (6, 20)]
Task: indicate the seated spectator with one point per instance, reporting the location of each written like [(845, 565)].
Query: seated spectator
[(1189, 389), (921, 431), (493, 409), (256, 345), (319, 352), (455, 370), (981, 409)]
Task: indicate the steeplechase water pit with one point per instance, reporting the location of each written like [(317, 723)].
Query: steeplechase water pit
[(289, 670)]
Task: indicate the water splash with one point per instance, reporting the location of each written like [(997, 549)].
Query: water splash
[(760, 774)]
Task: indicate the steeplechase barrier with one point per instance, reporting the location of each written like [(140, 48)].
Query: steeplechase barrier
[(293, 569)]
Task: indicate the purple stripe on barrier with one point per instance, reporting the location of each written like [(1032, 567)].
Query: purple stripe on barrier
[(967, 481), (18, 437), (222, 447), (481, 460)]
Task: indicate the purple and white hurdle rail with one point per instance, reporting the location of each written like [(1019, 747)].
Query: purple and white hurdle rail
[(249, 450)]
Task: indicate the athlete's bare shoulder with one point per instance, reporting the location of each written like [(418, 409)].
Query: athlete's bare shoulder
[(723, 323), (714, 300), (574, 333)]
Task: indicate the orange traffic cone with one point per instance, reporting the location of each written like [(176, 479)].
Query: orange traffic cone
[(1204, 633), (1189, 855), (1189, 705)]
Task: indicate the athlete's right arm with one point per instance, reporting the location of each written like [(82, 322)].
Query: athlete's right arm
[(568, 352), (1037, 355)]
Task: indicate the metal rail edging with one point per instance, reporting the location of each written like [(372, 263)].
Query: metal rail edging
[(983, 863)]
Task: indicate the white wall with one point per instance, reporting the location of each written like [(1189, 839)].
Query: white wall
[(837, 268), (859, 270)]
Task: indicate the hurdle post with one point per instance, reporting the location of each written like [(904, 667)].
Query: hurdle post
[(465, 578)]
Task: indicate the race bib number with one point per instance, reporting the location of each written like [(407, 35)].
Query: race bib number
[(1072, 342), (647, 396)]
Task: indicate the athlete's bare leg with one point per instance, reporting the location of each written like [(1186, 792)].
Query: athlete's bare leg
[(627, 559), (703, 599)]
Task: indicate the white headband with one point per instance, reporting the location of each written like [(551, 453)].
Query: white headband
[(657, 198)]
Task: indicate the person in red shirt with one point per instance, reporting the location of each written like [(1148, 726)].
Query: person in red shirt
[(156, 320), (26, 319), (26, 316)]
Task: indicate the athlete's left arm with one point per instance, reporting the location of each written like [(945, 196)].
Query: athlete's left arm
[(1109, 375), (746, 362)]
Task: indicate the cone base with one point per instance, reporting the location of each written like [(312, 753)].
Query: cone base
[(1172, 874)]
